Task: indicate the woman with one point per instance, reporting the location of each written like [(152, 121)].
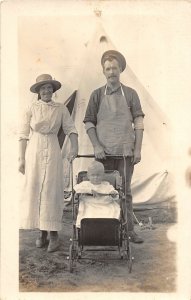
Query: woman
[(41, 161)]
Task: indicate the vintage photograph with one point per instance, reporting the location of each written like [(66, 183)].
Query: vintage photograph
[(96, 126)]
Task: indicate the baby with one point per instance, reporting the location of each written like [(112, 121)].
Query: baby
[(99, 198)]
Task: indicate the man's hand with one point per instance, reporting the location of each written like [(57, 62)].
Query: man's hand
[(99, 152), (138, 143), (98, 149), (22, 166), (136, 157)]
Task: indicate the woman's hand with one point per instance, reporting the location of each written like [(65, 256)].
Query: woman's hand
[(74, 147), (72, 155), (22, 166)]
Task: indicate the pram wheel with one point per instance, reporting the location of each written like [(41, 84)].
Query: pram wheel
[(79, 253), (72, 257), (129, 258), (127, 252)]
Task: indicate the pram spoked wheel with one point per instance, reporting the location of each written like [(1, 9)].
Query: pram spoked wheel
[(72, 257), (127, 250), (129, 258)]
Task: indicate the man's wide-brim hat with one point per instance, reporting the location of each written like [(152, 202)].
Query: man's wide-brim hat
[(44, 79), (114, 54)]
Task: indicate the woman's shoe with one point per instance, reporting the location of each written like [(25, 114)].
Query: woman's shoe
[(41, 241)]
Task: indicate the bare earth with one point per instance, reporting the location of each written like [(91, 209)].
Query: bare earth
[(154, 266)]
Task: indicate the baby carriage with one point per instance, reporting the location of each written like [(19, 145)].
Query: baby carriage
[(110, 234)]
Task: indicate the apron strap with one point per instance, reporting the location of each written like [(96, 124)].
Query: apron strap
[(122, 91), (105, 90)]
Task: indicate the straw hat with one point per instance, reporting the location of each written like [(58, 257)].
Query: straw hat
[(43, 79), (114, 54)]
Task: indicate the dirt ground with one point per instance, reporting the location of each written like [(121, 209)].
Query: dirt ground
[(154, 265)]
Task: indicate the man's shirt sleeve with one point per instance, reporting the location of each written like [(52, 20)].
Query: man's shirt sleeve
[(92, 109), (138, 123), (136, 108)]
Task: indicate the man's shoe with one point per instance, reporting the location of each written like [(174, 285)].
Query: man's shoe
[(134, 238), (54, 244)]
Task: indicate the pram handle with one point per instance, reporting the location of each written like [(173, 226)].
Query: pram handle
[(93, 156)]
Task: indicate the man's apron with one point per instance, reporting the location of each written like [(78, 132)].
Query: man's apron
[(114, 125)]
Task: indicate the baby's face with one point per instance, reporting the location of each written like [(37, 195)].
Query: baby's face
[(95, 176)]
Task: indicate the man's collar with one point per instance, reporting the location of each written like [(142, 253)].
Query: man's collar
[(111, 90)]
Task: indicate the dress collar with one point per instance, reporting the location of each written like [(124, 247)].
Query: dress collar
[(50, 103)]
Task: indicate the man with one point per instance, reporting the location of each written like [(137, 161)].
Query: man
[(114, 124)]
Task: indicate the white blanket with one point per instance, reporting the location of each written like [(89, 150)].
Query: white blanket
[(99, 206)]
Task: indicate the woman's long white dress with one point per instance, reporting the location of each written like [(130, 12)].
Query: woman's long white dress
[(43, 194)]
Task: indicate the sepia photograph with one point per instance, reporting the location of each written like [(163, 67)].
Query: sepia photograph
[(96, 149)]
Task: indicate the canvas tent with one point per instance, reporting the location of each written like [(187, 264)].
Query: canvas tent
[(152, 182)]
